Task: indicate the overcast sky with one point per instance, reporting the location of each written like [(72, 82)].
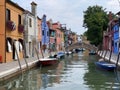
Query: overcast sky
[(69, 12)]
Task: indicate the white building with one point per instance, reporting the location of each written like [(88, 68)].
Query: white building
[(31, 32)]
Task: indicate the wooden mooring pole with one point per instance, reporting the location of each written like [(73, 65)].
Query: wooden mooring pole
[(117, 59), (17, 57), (110, 55), (37, 53), (105, 55), (24, 53)]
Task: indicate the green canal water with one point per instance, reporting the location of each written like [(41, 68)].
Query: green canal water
[(74, 72)]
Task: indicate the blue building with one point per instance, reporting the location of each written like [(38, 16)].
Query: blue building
[(116, 37), (45, 33)]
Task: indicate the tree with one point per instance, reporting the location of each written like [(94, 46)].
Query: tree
[(96, 21)]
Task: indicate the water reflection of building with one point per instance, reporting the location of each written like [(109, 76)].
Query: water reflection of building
[(52, 74), (29, 81)]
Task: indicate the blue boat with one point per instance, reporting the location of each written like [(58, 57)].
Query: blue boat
[(60, 55), (105, 65)]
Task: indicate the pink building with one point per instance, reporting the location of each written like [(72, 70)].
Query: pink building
[(56, 27)]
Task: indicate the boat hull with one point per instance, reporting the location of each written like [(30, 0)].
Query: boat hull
[(105, 65), (48, 61)]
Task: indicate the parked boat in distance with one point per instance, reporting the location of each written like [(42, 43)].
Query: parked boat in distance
[(92, 52), (60, 55)]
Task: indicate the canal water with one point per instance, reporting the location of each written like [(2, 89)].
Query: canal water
[(74, 72)]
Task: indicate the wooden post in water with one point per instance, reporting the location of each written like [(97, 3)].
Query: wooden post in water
[(105, 54), (41, 52), (118, 54), (102, 53), (37, 53), (24, 53), (17, 56), (117, 59), (110, 55)]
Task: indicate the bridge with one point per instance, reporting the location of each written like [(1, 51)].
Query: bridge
[(81, 45)]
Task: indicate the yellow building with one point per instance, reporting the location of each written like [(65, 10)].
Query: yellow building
[(11, 31)]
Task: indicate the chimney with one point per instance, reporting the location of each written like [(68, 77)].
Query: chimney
[(34, 8), (110, 16)]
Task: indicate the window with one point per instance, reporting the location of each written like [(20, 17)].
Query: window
[(7, 14), (43, 32), (19, 19), (30, 22), (47, 33)]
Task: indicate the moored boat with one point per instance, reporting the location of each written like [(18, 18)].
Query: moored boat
[(105, 65), (48, 61)]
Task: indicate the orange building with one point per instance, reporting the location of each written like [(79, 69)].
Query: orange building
[(11, 31)]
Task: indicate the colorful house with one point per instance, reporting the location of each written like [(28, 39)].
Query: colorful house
[(108, 35), (57, 26), (2, 31), (39, 21), (30, 35), (12, 31), (52, 34), (45, 33), (116, 36)]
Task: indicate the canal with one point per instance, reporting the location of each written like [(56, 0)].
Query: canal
[(74, 72)]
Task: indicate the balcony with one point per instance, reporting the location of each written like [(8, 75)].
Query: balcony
[(11, 25)]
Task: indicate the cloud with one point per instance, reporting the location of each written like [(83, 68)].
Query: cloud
[(113, 5)]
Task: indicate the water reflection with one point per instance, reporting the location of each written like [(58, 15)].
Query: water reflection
[(75, 72)]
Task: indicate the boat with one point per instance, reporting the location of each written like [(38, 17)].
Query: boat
[(105, 65), (92, 52), (48, 61), (60, 55)]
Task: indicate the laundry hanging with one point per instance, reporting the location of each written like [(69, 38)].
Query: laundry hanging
[(9, 46)]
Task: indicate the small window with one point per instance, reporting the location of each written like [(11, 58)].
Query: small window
[(43, 32), (7, 15), (47, 33), (19, 19), (30, 22)]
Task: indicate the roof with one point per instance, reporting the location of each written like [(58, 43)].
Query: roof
[(15, 4)]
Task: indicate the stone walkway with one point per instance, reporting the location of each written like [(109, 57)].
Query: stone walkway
[(6, 69), (113, 56)]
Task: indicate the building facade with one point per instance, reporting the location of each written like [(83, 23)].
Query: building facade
[(12, 30), (45, 33), (31, 30)]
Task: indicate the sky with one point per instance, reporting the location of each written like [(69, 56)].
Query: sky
[(69, 12)]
